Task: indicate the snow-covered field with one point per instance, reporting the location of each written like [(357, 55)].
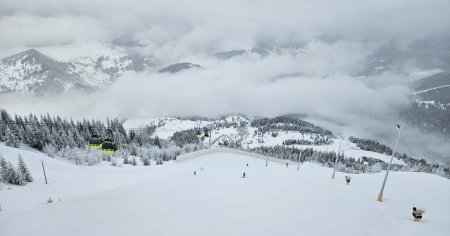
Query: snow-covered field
[(171, 200), (166, 127)]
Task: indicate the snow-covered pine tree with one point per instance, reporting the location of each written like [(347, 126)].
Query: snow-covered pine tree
[(20, 178), (37, 138), (70, 138), (11, 175), (3, 169), (50, 150), (146, 161), (2, 131), (6, 118), (11, 138), (79, 140), (22, 169)]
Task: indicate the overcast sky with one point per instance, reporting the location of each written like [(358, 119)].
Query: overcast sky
[(323, 44), (219, 25)]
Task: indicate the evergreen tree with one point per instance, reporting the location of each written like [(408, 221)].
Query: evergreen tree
[(3, 169), (11, 138), (11, 175), (50, 150), (4, 116), (22, 169), (37, 138), (157, 142), (146, 161), (20, 178), (71, 139)]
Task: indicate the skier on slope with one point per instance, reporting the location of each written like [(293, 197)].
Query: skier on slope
[(195, 172), (417, 213), (347, 179), (243, 176)]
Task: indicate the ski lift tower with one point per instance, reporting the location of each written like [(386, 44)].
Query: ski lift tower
[(380, 195), (210, 128), (337, 157)]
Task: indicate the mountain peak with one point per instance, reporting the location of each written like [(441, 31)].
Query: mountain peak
[(32, 51), (31, 55), (228, 54), (174, 68)]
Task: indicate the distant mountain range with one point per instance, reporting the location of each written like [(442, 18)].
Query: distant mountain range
[(33, 72), (430, 104), (177, 67)]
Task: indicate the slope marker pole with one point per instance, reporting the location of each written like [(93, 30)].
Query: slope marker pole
[(210, 133), (44, 172)]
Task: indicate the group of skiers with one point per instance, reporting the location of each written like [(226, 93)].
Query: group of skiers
[(347, 178), (243, 175), (417, 213)]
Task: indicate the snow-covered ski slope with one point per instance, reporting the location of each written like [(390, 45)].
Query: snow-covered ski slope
[(171, 200)]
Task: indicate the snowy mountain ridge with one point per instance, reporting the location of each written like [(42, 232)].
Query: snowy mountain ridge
[(32, 71)]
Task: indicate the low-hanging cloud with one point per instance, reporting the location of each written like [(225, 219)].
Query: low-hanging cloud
[(315, 51), (311, 82)]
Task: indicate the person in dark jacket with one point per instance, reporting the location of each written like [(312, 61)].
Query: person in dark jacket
[(417, 213), (243, 176), (195, 172), (347, 179)]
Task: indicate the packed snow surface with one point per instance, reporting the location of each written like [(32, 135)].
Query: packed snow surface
[(171, 200)]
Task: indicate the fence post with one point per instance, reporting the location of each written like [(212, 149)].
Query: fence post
[(44, 172)]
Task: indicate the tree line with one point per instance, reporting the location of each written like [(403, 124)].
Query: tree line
[(349, 164), (315, 140), (371, 145), (69, 139), (288, 124)]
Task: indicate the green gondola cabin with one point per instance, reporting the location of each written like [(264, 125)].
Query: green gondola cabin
[(95, 142), (109, 146)]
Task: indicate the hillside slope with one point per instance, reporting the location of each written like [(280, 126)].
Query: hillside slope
[(170, 200), (430, 105), (239, 129)]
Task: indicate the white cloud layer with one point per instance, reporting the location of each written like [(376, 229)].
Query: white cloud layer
[(304, 76)]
